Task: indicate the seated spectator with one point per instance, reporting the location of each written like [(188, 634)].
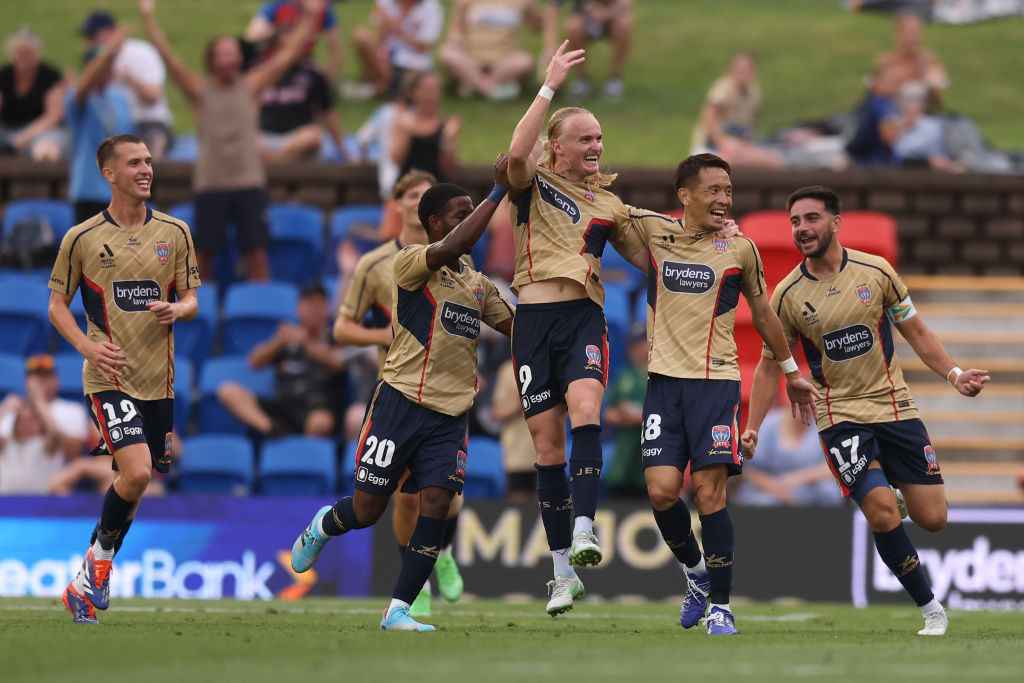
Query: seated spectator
[(516, 445), (789, 468), (401, 38), (421, 138), (306, 368), (593, 20), (911, 61), (294, 112), (277, 17), (625, 474), (869, 144), (484, 52), (31, 101), (139, 69), (39, 433), (918, 139), (95, 107), (728, 119)]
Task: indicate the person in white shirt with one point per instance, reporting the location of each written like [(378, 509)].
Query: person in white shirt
[(401, 38)]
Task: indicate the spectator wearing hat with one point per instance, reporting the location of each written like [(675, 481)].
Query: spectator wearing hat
[(279, 16), (31, 100), (625, 473), (140, 70), (39, 432)]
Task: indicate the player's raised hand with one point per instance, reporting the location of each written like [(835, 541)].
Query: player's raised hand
[(147, 7), (501, 170), (730, 229), (802, 395), (971, 382), (107, 357), (748, 443), (561, 63)]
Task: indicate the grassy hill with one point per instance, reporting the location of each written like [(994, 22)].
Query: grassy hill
[(813, 57)]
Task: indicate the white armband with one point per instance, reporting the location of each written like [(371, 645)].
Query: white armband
[(902, 311), (546, 93), (954, 374), (788, 365)]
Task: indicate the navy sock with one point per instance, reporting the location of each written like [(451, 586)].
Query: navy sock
[(585, 464), (341, 518), (451, 526), (899, 555), (124, 532), (419, 558), (719, 545), (555, 505), (113, 518), (674, 524)]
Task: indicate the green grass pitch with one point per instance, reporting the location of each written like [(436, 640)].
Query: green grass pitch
[(490, 641)]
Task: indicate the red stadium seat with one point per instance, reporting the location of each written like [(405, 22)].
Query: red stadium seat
[(872, 232), (771, 233)]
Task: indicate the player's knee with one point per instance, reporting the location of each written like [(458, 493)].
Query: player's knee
[(586, 409), (136, 479), (709, 496), (932, 520), (661, 495), (434, 502), (882, 517)]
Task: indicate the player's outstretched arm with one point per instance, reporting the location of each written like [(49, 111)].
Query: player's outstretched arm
[(348, 332), (292, 48), (94, 71), (107, 357), (929, 349), (802, 393), (762, 393), (522, 164), (191, 83)]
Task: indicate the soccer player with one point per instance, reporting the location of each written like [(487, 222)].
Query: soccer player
[(563, 216), (841, 304), (364, 319), (417, 418), (137, 273), (695, 278)]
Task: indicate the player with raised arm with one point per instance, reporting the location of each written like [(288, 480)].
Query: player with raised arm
[(697, 271), (417, 418), (364, 319), (840, 305), (564, 216), (137, 274)]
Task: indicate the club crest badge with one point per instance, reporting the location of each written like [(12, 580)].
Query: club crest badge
[(163, 252), (864, 294), (931, 459), (721, 436), (593, 357), (721, 245)]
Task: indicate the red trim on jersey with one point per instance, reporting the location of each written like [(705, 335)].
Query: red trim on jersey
[(106, 316), (888, 374), (529, 252), (653, 309), (711, 329), (170, 354), (367, 426), (604, 352), (828, 403), (736, 436), (430, 338), (101, 420), (832, 468)]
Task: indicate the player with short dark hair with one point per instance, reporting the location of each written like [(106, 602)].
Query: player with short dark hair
[(417, 418), (696, 274), (841, 304), (137, 273)]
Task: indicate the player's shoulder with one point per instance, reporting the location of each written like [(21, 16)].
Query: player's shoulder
[(652, 220), (789, 284), (871, 263), (168, 220), (377, 256)]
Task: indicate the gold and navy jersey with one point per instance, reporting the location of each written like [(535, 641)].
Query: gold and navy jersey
[(368, 297), (694, 281), (437, 318), (843, 325), (562, 229), (120, 272)]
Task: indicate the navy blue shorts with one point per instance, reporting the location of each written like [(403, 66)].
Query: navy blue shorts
[(556, 344), (397, 434), (691, 421), (902, 448), (125, 421)]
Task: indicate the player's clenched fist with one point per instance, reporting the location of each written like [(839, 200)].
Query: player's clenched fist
[(748, 443), (107, 357), (561, 63), (165, 311), (971, 382)]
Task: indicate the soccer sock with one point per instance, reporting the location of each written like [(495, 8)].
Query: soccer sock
[(420, 556), (340, 519), (124, 532), (585, 465), (555, 505), (560, 558), (113, 518), (674, 524), (899, 555), (719, 545), (450, 527)]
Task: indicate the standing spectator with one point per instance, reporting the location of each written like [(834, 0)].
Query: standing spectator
[(484, 51), (789, 468), (401, 38), (230, 181), (625, 474), (516, 444), (910, 60), (593, 20), (306, 369), (422, 139), (96, 108), (31, 100), (138, 68), (277, 17), (729, 116), (294, 112), (39, 433)]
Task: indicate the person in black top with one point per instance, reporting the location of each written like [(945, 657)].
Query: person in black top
[(421, 138), (294, 111), (31, 100)]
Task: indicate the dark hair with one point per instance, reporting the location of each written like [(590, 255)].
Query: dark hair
[(434, 200), (690, 167), (313, 289), (108, 147), (211, 44), (824, 194)]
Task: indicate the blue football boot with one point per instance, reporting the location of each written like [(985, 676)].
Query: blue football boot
[(695, 602), (720, 622), (82, 610), (308, 545), (397, 619)]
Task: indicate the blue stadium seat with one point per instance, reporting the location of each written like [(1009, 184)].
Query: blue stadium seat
[(366, 216), (57, 213), (253, 311), (616, 305), (296, 242), (215, 464), (184, 379), (194, 338), (297, 466), (640, 307), (24, 321), (12, 374), (485, 471), (346, 476), (185, 212), (69, 375), (213, 417)]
